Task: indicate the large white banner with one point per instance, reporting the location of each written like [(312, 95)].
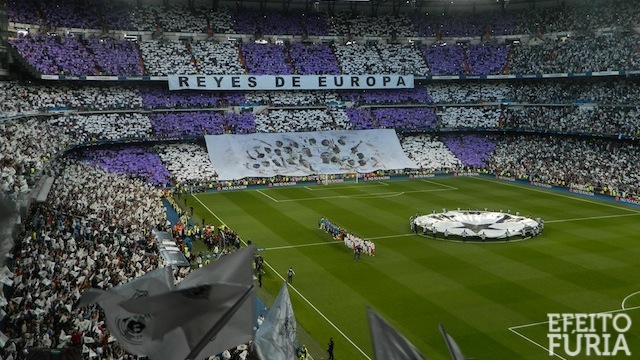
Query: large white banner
[(289, 82), (306, 153)]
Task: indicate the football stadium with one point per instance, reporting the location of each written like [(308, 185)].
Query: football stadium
[(319, 179)]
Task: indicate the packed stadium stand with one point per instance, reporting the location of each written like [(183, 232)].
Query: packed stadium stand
[(116, 148)]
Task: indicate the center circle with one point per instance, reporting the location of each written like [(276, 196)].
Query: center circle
[(475, 225)]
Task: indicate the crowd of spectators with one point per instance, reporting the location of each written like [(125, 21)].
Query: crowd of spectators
[(136, 162), (162, 57), (106, 201), (428, 152), (606, 166), (581, 53), (418, 95), (93, 231), (72, 55), (197, 18), (581, 119), (473, 150), (25, 147), (27, 98), (310, 59), (444, 59), (266, 59), (178, 124), (470, 92), (299, 98), (469, 117), (298, 120), (187, 162), (406, 119), (249, 21), (178, 18), (361, 59), (83, 129)]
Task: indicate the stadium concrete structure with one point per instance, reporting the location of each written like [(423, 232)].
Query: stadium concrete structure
[(93, 146)]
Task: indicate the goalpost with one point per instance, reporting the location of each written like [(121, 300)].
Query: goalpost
[(326, 179)]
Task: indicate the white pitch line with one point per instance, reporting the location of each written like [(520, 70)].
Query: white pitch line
[(332, 242), (340, 186), (514, 329), (268, 196), (590, 218), (302, 245), (363, 196), (388, 236), (602, 312), (439, 184), (535, 343), (627, 298), (551, 192), (296, 291)]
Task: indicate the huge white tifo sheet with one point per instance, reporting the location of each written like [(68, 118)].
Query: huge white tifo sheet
[(306, 153)]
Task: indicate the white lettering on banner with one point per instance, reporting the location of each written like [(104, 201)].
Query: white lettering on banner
[(289, 82), (601, 334), (422, 176), (277, 184)]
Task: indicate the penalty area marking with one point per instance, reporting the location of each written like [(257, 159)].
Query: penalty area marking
[(324, 188), (295, 290), (379, 195), (514, 329)]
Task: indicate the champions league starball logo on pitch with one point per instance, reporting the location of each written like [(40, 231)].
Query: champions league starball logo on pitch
[(591, 335)]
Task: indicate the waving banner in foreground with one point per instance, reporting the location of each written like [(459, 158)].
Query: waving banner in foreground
[(306, 153)]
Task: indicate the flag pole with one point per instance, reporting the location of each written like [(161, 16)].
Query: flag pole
[(219, 325), (454, 350)]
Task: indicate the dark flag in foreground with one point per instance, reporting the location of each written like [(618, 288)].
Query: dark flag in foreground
[(454, 350), (388, 343), (210, 311), (127, 326), (277, 339)]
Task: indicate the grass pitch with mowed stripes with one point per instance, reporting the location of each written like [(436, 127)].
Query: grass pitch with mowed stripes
[(586, 261)]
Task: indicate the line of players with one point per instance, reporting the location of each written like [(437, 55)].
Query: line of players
[(357, 244)]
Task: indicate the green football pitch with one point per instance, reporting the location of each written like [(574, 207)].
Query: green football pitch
[(493, 298)]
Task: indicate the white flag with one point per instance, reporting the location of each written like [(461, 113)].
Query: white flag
[(125, 326), (454, 349), (210, 311), (277, 339), (388, 343)]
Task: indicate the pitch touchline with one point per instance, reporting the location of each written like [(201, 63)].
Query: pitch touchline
[(295, 290), (356, 196), (268, 196), (300, 245), (590, 218), (530, 188)]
